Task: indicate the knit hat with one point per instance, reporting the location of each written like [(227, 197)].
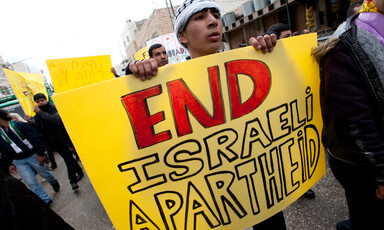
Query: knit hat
[(189, 8)]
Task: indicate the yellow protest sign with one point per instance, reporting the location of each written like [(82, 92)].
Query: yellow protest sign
[(25, 85), (142, 54), (218, 142), (72, 73)]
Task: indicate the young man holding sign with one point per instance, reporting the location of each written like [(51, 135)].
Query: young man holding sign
[(199, 29)]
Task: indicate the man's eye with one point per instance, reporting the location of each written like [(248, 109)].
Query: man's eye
[(200, 17)]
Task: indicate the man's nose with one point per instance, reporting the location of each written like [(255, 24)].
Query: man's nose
[(212, 21)]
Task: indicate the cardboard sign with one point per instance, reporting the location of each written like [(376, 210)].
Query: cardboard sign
[(25, 86), (219, 142), (72, 73)]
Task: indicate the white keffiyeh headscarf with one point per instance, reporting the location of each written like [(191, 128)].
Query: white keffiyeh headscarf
[(189, 8)]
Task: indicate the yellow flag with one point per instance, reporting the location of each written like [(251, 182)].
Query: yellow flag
[(72, 73), (218, 142), (25, 85)]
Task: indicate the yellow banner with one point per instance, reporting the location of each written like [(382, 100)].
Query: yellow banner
[(25, 85), (142, 54), (72, 73), (218, 142)]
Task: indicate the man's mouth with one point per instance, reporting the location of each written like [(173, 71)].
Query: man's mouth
[(214, 36)]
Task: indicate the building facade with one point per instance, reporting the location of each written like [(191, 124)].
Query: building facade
[(160, 22), (128, 35), (327, 15), (243, 19)]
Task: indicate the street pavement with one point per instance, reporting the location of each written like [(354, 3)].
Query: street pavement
[(83, 210)]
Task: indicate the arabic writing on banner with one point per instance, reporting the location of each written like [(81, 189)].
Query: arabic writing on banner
[(25, 85), (72, 73), (218, 142)]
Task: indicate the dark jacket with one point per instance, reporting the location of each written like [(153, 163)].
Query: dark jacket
[(31, 135), (351, 102), (21, 209), (50, 125)]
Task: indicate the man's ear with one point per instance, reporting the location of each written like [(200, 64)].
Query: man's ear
[(182, 38)]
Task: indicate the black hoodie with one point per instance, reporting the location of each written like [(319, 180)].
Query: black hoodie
[(49, 123)]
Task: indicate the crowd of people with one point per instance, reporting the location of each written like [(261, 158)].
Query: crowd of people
[(24, 147), (352, 104)]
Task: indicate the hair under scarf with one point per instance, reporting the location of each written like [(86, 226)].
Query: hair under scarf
[(189, 8), (369, 6)]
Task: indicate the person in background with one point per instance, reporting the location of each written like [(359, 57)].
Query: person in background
[(51, 158), (351, 99), (14, 117), (49, 123), (158, 52), (22, 209), (158, 57), (281, 30), (23, 149)]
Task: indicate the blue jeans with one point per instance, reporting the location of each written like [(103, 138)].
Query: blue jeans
[(27, 167)]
